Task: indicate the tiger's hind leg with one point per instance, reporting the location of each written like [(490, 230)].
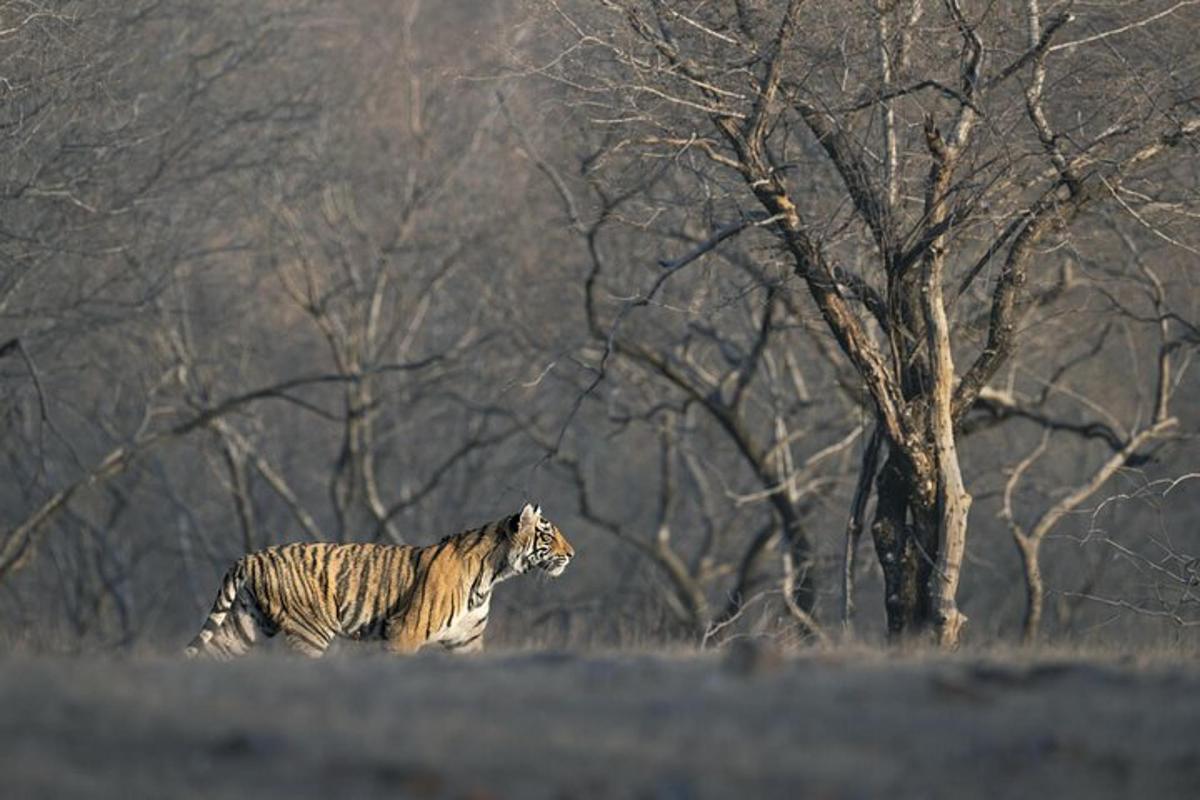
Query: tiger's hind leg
[(233, 634), (235, 622)]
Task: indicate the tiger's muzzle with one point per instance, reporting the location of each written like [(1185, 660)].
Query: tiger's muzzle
[(555, 566)]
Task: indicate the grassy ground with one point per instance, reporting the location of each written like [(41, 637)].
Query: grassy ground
[(841, 725)]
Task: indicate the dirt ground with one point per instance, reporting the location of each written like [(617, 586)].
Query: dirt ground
[(549, 725)]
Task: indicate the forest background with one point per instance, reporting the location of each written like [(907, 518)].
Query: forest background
[(801, 323)]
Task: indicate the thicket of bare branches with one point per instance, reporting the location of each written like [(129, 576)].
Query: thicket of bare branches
[(928, 178), (722, 286)]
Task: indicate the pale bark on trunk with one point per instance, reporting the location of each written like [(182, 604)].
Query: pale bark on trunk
[(953, 503)]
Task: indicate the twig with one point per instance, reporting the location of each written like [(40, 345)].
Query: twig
[(1115, 31), (722, 233)]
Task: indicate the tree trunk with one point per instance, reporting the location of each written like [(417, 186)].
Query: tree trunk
[(795, 539), (908, 541), (239, 488), (1028, 547), (854, 526), (952, 501), (891, 534), (953, 506)]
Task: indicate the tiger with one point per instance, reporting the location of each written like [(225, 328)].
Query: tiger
[(406, 596)]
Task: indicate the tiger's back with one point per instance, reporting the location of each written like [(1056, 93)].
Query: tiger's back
[(342, 589), (405, 595)]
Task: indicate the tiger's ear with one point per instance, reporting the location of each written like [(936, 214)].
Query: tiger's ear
[(530, 515)]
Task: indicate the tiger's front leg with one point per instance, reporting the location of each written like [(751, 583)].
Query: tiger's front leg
[(401, 635), (474, 645)]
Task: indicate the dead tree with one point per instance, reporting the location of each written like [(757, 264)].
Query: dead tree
[(954, 172), (1126, 449)]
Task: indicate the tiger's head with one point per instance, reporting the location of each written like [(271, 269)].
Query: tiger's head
[(537, 542)]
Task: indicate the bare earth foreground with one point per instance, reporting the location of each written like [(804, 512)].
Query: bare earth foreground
[(565, 726)]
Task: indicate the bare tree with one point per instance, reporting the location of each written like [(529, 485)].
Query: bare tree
[(728, 383), (924, 135), (1174, 334)]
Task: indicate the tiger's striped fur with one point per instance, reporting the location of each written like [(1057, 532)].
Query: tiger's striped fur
[(407, 596)]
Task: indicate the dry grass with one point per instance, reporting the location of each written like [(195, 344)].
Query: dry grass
[(750, 723)]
